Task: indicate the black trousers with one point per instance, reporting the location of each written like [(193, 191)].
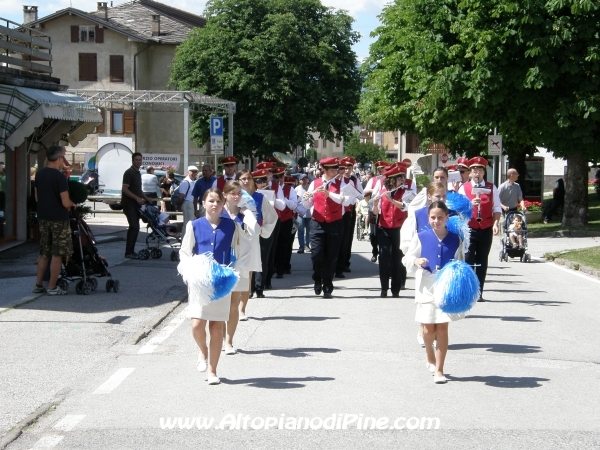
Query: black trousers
[(351, 239), (325, 242), (258, 280), (390, 259), (479, 249), (344, 254), (373, 234), (133, 219), (271, 260), (285, 241)]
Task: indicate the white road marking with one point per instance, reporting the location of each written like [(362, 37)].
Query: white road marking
[(68, 422), (48, 441), (114, 381), (575, 272), (164, 333)]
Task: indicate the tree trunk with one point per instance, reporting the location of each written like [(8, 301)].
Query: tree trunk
[(576, 192)]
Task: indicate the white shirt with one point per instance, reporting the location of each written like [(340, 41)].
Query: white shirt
[(232, 177), (496, 208), (183, 188), (149, 183)]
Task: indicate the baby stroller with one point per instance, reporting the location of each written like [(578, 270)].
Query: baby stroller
[(151, 216), (85, 264), (519, 251)]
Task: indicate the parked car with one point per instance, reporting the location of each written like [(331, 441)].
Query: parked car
[(115, 204)]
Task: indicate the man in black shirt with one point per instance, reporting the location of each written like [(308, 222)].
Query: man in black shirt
[(131, 198), (52, 196)]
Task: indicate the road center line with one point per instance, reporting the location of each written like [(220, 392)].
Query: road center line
[(167, 331), (114, 381), (48, 441), (68, 422), (575, 272)]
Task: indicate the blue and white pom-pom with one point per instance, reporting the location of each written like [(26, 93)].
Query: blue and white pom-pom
[(206, 278), (247, 202), (456, 288), (460, 226), (459, 203)]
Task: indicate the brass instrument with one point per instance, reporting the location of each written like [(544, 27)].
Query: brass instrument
[(478, 191), (325, 185)]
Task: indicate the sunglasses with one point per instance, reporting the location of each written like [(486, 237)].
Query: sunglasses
[(276, 176), (462, 171), (260, 181)]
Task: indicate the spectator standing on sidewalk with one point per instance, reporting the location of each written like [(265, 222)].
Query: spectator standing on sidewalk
[(186, 196), (52, 195), (510, 192), (133, 197), (558, 200), (150, 183), (303, 219)]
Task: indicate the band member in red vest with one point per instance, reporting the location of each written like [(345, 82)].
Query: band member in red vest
[(349, 218), (462, 165), (269, 168), (325, 199), (381, 167), (486, 215), (392, 214), (230, 167), (286, 201)]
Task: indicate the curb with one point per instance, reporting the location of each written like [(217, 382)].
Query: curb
[(155, 322), (576, 266), (23, 301), (13, 434), (104, 239), (563, 233)]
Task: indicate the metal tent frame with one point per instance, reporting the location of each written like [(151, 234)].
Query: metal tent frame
[(173, 100)]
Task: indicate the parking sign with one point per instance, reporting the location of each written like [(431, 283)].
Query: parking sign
[(216, 135)]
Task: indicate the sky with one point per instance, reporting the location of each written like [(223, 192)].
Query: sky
[(364, 12)]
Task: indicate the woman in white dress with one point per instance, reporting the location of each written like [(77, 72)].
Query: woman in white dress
[(218, 235), (427, 253), (245, 257)]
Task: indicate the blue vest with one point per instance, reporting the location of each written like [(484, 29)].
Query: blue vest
[(258, 199), (437, 252), (422, 216), (216, 241)]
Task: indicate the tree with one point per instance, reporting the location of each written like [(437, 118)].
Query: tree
[(288, 65), (451, 70), (363, 152)]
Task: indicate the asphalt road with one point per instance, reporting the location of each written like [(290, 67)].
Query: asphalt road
[(523, 368)]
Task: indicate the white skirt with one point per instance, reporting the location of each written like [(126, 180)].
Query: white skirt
[(217, 311), (243, 284), (431, 313)]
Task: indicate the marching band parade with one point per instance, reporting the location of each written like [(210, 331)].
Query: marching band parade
[(442, 235)]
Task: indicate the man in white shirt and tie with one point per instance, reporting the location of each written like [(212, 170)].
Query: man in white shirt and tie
[(229, 166)]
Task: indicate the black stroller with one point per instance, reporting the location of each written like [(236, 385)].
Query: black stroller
[(159, 233), (519, 248), (85, 264)]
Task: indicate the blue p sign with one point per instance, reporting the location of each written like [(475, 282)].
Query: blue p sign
[(216, 126)]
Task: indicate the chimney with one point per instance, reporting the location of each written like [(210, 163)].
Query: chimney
[(30, 13), (103, 10), (155, 25)]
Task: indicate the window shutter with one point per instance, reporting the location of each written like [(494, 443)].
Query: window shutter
[(93, 67), (74, 33), (99, 35), (88, 69), (128, 121), (117, 71), (100, 128)]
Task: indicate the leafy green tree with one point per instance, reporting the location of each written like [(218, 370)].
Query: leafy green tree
[(451, 70), (363, 152), (288, 65)]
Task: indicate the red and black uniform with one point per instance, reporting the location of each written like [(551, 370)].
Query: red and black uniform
[(389, 223), (285, 238), (326, 227)]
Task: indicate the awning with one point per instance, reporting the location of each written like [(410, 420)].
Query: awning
[(53, 114)]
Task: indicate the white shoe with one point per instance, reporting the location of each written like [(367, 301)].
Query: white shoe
[(230, 351), (420, 340), (213, 380), (440, 380), (430, 367), (201, 364), (243, 318)]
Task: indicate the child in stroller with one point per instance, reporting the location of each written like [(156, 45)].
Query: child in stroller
[(162, 231), (85, 264), (514, 239)]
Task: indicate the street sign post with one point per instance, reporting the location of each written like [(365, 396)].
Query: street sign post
[(216, 135), (495, 145)]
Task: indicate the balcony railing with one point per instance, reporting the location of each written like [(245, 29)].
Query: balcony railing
[(20, 46)]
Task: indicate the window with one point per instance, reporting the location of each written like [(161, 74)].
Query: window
[(122, 122), (117, 69), (395, 139), (87, 33), (88, 70)]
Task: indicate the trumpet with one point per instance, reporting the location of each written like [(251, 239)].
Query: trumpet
[(325, 185)]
